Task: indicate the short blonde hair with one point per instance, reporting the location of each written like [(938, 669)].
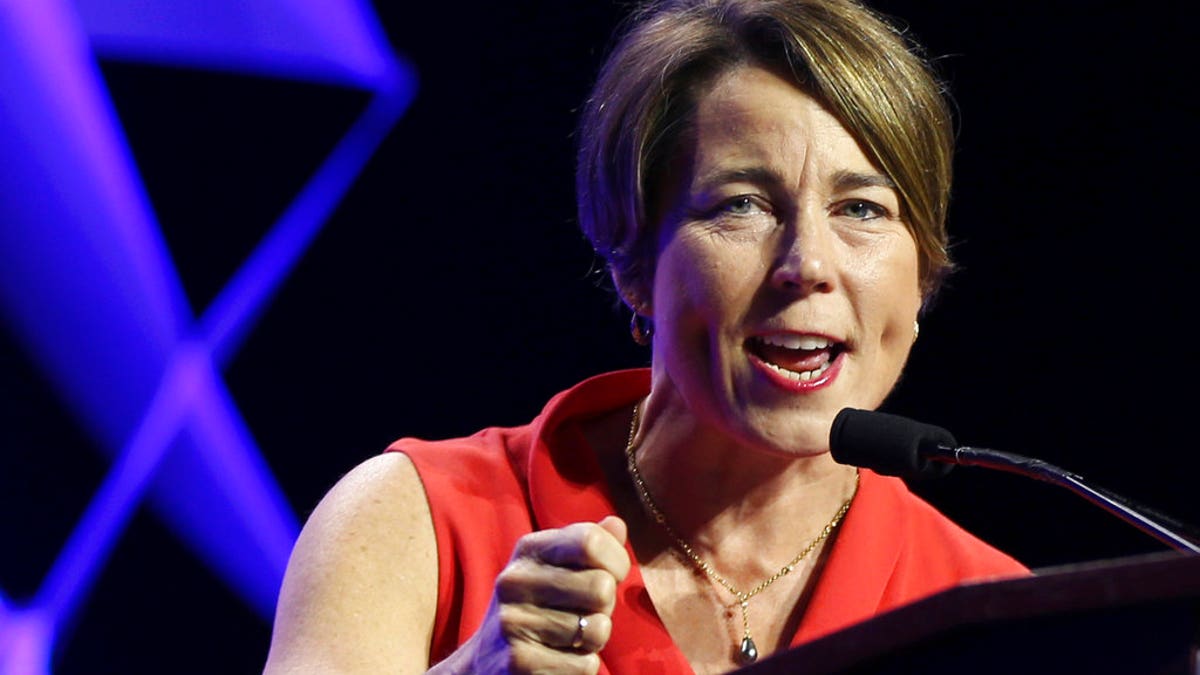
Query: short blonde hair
[(873, 79)]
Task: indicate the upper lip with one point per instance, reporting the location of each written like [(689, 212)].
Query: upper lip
[(795, 340)]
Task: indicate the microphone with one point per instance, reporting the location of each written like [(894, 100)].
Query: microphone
[(897, 446), (890, 444)]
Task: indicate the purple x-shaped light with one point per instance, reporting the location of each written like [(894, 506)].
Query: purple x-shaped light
[(87, 284)]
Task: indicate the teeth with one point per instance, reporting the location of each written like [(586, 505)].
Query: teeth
[(796, 341), (803, 376)]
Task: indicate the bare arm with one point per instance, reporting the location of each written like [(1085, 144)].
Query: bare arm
[(360, 593)]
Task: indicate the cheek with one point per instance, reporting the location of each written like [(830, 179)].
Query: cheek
[(890, 301), (703, 281), (908, 288), (892, 279)]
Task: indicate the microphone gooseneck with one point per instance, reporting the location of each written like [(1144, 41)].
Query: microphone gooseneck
[(897, 446)]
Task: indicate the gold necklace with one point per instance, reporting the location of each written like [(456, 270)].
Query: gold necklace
[(748, 651)]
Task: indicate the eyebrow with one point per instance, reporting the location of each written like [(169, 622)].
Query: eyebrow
[(757, 174), (849, 180), (842, 180)]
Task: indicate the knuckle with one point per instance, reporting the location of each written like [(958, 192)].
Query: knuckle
[(600, 590), (603, 586), (516, 581), (516, 627), (527, 546), (508, 618), (509, 583), (600, 627), (589, 664), (592, 539), (524, 659)]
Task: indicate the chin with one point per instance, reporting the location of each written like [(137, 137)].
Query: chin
[(796, 438)]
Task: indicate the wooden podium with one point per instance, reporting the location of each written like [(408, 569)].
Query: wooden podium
[(1131, 616)]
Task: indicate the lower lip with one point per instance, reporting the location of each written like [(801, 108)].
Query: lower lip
[(821, 381)]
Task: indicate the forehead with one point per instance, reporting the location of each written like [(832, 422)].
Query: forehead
[(750, 112)]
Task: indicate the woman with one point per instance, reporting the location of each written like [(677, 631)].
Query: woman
[(768, 182)]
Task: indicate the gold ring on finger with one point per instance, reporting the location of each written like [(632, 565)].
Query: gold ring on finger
[(582, 625)]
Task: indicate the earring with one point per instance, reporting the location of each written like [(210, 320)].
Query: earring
[(916, 330), (641, 328)]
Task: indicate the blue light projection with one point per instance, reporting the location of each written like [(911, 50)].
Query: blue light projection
[(88, 287)]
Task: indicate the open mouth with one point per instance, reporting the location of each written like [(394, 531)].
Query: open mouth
[(799, 358)]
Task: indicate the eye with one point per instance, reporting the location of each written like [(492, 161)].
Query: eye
[(862, 209), (743, 205)]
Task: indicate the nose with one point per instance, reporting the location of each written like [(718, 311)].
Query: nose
[(805, 262)]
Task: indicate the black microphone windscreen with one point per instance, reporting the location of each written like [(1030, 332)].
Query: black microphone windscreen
[(887, 444)]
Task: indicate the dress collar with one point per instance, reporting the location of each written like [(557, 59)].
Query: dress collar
[(566, 484)]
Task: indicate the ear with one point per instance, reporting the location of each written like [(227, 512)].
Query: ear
[(635, 293)]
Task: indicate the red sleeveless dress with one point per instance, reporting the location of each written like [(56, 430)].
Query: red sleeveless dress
[(488, 489)]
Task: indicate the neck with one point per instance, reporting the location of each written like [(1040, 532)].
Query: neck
[(727, 502)]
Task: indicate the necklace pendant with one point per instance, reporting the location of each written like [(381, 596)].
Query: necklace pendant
[(749, 651)]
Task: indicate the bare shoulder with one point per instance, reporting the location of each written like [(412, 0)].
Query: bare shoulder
[(361, 585)]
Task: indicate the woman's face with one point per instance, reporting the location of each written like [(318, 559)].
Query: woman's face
[(786, 285)]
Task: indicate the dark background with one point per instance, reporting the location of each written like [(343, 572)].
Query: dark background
[(451, 289)]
